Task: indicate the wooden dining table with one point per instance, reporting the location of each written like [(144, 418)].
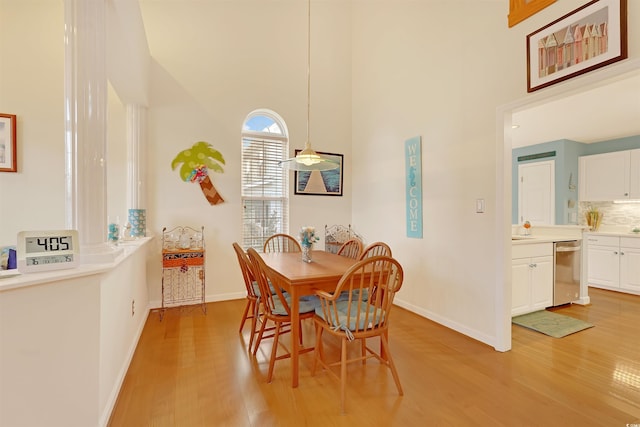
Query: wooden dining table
[(300, 278)]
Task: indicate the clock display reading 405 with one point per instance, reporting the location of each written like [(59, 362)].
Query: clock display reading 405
[(47, 250)]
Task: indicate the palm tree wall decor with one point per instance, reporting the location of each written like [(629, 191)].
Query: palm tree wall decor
[(197, 161)]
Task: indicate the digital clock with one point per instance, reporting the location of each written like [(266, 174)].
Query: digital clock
[(47, 250)]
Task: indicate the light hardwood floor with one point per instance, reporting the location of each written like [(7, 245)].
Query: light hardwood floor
[(193, 369)]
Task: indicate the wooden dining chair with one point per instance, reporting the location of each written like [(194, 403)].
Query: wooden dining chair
[(281, 243), (358, 319), (275, 309), (251, 309), (375, 249), (352, 248)]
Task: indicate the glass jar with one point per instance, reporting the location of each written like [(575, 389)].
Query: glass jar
[(306, 253)]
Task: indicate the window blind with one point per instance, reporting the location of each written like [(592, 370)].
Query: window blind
[(265, 193)]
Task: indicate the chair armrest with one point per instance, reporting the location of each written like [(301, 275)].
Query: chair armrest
[(326, 295)]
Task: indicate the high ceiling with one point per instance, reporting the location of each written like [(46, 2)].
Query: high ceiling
[(599, 114)]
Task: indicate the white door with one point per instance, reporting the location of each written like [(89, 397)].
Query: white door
[(536, 193)]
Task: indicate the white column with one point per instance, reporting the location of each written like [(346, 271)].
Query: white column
[(85, 125), (136, 156)]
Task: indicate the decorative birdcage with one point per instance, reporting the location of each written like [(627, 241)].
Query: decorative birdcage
[(336, 235)]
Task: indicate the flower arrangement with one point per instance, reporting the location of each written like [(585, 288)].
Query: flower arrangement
[(308, 236), (593, 217)]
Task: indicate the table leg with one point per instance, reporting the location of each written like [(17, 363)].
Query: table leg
[(295, 335)]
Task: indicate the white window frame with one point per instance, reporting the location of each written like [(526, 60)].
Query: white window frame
[(254, 230)]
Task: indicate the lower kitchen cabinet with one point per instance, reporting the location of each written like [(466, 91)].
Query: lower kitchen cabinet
[(613, 263), (532, 277)]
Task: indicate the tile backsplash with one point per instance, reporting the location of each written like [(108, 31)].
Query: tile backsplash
[(618, 214)]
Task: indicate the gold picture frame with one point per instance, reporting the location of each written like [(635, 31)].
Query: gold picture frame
[(519, 10), (8, 156)]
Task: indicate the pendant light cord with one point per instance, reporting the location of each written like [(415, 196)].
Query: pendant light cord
[(308, 71)]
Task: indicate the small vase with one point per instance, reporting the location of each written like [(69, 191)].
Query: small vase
[(306, 253)]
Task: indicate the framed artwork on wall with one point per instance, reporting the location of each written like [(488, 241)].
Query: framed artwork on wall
[(587, 38), (519, 10), (320, 183), (8, 156)]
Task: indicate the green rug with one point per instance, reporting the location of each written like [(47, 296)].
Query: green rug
[(552, 324)]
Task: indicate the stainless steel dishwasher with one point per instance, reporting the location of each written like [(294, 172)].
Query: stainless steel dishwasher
[(566, 272)]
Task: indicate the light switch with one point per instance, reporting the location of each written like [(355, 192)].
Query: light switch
[(479, 205)]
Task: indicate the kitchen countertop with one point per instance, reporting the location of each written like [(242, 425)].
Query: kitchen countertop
[(518, 239), (525, 240), (613, 233)]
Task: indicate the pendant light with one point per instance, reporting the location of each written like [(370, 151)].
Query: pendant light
[(307, 159)]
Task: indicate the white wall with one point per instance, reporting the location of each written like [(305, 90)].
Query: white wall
[(440, 70), (31, 86), (50, 354), (215, 62), (437, 70), (66, 344), (382, 72)]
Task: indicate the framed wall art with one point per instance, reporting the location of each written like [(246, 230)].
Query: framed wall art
[(590, 37), (519, 10), (320, 183), (8, 155)]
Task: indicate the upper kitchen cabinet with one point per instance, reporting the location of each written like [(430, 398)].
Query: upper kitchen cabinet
[(610, 176), (634, 175)]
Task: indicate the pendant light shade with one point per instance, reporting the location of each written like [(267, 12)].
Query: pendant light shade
[(307, 159)]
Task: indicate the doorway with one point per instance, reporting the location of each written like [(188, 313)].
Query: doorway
[(504, 140)]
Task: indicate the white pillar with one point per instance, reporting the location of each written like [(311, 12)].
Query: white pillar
[(85, 125), (136, 156)]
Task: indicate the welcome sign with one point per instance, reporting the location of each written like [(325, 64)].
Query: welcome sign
[(413, 163)]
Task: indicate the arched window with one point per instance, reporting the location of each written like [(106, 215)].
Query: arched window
[(265, 185)]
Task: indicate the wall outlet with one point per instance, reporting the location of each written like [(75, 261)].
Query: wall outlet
[(133, 307)]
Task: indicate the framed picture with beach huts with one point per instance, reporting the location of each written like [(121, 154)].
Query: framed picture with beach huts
[(320, 183), (587, 38)]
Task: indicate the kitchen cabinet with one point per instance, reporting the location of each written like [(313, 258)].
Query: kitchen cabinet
[(531, 278), (613, 262), (610, 176)]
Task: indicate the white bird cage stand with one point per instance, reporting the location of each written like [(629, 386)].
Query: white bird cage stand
[(183, 268)]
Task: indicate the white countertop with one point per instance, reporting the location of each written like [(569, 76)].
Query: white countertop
[(614, 233), (525, 240), (552, 238), (11, 279)]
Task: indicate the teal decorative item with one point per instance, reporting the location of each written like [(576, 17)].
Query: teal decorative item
[(413, 160), (138, 221), (113, 233)]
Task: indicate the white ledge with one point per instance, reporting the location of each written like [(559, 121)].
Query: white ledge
[(32, 279)]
